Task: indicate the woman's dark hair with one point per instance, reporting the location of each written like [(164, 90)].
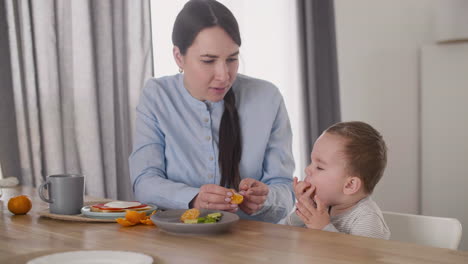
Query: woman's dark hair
[(195, 16)]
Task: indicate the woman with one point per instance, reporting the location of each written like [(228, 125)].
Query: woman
[(209, 129)]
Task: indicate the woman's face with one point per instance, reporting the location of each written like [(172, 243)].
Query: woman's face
[(327, 170), (210, 65)]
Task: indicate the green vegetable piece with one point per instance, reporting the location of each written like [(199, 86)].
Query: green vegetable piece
[(201, 220), (210, 220), (215, 215), (191, 221)]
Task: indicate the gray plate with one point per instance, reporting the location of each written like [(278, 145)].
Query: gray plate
[(169, 221)]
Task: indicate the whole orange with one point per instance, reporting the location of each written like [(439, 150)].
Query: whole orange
[(20, 204)]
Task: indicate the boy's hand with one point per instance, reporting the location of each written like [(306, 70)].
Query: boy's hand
[(313, 214), (255, 194), (300, 187)]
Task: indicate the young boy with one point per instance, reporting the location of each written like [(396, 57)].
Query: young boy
[(347, 161)]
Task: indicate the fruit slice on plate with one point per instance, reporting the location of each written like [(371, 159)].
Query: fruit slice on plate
[(118, 206), (190, 214)]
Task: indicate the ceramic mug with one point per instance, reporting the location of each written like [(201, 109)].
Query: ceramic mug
[(66, 193)]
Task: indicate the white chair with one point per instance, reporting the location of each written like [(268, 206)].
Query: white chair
[(433, 231)]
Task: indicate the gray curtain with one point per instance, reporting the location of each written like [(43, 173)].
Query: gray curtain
[(9, 157), (319, 65), (77, 70)]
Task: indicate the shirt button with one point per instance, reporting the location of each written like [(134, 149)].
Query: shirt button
[(211, 158), (210, 176), (206, 120), (208, 138)]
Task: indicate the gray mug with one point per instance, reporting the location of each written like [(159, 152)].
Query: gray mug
[(66, 193)]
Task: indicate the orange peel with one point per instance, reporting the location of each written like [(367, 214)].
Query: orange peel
[(134, 216), (146, 221), (124, 222), (151, 214)]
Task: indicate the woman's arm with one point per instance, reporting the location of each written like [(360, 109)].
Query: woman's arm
[(278, 167), (147, 162)]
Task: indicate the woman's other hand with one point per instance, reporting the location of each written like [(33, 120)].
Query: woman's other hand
[(255, 194), (214, 197)]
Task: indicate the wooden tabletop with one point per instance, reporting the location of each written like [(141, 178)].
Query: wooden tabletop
[(24, 237)]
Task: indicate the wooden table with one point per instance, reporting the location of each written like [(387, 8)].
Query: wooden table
[(27, 236)]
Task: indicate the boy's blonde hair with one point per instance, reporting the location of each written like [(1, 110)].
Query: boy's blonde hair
[(365, 149)]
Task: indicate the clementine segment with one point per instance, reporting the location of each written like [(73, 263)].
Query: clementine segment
[(193, 213), (19, 205)]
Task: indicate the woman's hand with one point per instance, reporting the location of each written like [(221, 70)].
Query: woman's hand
[(214, 197), (255, 194), (312, 212)]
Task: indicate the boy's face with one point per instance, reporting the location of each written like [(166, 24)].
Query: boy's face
[(327, 170)]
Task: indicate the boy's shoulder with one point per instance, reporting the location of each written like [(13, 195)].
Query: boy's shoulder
[(368, 204), (365, 207), (364, 219)]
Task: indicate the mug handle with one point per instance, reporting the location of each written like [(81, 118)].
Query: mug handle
[(41, 192)]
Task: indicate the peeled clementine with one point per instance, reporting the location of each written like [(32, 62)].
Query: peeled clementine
[(19, 205), (236, 198)]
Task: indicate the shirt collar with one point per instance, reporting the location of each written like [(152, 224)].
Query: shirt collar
[(194, 101)]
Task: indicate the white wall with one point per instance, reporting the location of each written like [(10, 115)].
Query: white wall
[(394, 75), (378, 46), (444, 93)]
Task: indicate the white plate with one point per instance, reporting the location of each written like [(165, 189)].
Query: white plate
[(169, 221), (94, 257), (86, 211)]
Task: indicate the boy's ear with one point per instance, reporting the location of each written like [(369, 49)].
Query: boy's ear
[(352, 185), (178, 57)]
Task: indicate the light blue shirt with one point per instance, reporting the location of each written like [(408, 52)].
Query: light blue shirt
[(176, 144)]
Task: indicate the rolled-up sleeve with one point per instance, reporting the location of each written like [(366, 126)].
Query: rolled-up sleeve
[(278, 167)]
